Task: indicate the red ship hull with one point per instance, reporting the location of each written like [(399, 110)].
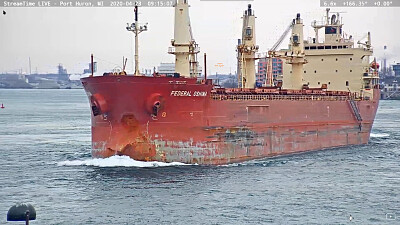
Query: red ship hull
[(177, 120)]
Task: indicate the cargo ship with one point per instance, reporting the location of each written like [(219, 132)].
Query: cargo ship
[(181, 118)]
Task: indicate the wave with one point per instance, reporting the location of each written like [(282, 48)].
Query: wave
[(379, 135), (118, 161)]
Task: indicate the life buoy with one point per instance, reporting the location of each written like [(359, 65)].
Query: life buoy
[(375, 65)]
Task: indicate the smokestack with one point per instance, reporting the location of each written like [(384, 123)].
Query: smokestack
[(384, 60), (249, 9), (205, 67), (136, 13), (298, 20)]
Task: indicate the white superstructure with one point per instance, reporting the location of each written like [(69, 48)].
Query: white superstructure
[(247, 49), (334, 63), (184, 47), (296, 55)]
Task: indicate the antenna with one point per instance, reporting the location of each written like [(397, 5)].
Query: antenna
[(136, 29), (30, 67)]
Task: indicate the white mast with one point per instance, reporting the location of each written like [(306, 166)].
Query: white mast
[(247, 50), (296, 56), (135, 28), (184, 47)]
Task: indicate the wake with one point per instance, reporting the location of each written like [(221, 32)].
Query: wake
[(118, 161)]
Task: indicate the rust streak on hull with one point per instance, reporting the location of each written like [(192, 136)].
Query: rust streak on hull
[(176, 119)]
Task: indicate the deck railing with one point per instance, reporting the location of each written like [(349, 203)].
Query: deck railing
[(264, 97)]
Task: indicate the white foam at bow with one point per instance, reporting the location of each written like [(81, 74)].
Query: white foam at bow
[(117, 161), (379, 135)]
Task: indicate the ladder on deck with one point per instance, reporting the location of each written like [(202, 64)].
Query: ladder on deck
[(355, 110)]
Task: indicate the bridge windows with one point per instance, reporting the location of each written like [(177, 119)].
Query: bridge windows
[(326, 47)]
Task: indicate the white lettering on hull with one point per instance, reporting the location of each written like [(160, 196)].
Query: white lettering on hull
[(188, 93)]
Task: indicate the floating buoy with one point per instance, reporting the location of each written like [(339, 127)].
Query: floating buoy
[(2, 106), (21, 212)]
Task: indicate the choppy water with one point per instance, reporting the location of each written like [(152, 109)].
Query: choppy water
[(45, 160)]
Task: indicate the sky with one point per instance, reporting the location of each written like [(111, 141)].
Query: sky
[(49, 36)]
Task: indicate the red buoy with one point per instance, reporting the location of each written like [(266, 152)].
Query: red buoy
[(2, 106), (375, 65)]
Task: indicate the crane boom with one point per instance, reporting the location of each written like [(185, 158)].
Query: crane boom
[(280, 40), (271, 54)]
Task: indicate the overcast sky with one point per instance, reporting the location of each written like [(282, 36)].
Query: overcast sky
[(69, 35)]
